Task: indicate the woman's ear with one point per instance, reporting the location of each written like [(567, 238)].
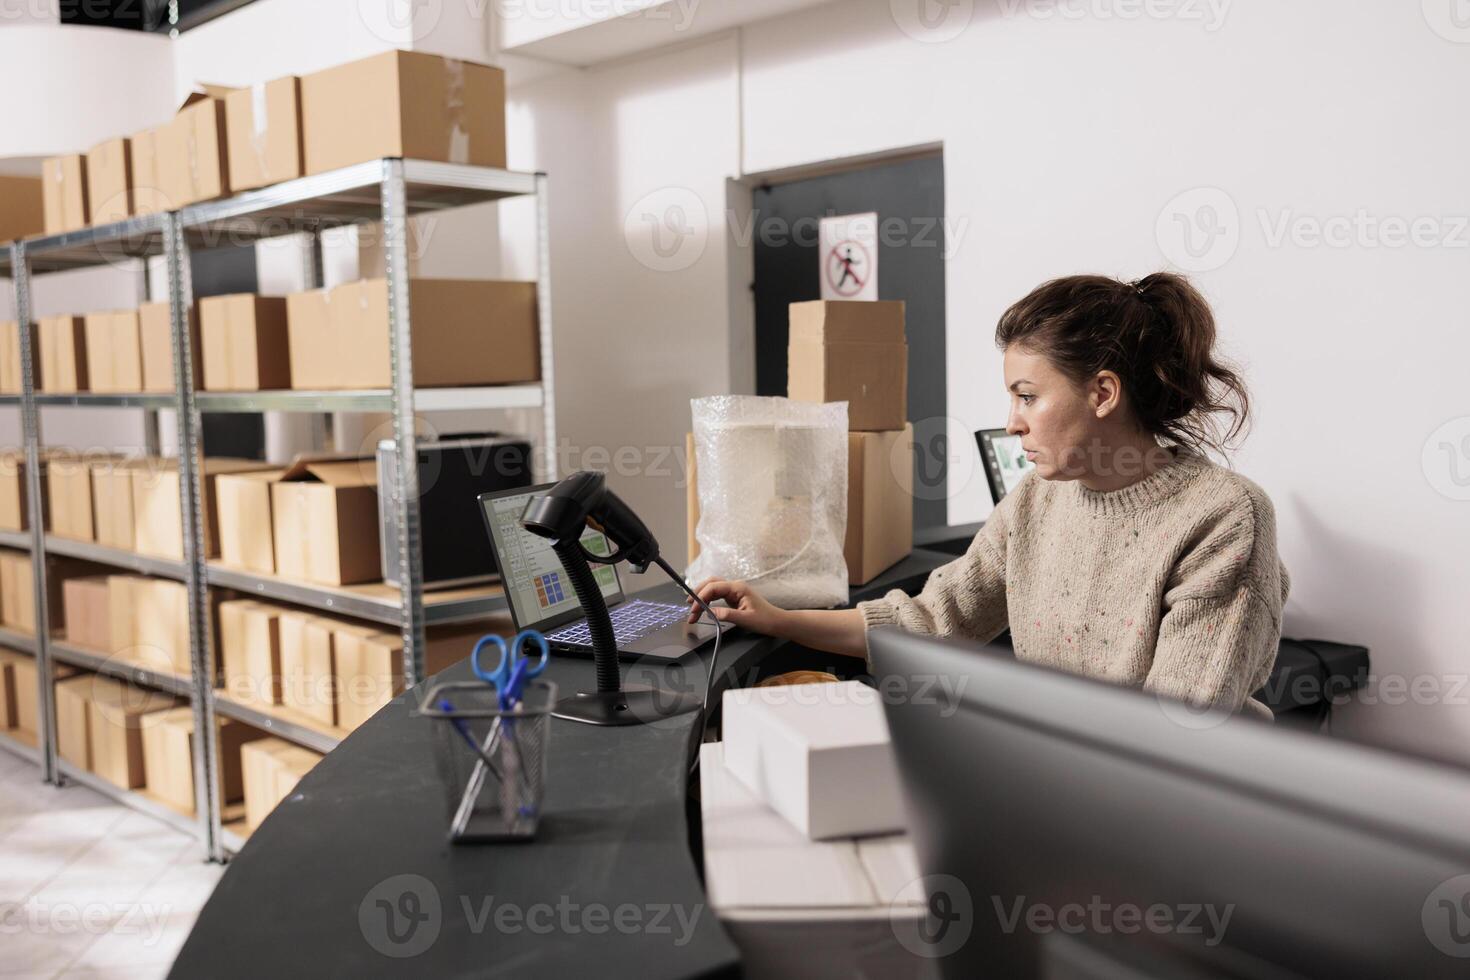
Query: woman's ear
[(1106, 394)]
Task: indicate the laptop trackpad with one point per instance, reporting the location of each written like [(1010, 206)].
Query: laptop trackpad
[(672, 641)]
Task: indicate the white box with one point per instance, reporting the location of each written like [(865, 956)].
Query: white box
[(818, 754)]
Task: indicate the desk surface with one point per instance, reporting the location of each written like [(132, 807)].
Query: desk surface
[(353, 872)]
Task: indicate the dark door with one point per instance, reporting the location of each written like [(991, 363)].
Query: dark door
[(908, 196)]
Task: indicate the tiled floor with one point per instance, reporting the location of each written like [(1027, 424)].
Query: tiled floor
[(88, 887)]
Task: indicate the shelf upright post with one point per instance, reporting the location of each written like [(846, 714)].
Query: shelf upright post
[(406, 493), (543, 319), (191, 453), (35, 513)]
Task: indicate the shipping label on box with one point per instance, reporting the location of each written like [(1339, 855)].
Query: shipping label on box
[(110, 181), (263, 126)]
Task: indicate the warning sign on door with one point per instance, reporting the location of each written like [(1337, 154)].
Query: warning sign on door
[(849, 247)]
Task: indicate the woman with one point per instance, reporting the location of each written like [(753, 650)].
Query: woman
[(1126, 555)]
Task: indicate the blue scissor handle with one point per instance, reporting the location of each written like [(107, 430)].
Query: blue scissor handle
[(514, 667)]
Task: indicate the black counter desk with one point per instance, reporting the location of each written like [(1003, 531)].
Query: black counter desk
[(302, 897)]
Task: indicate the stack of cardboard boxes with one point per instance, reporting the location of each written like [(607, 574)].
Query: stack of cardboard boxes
[(101, 724), (857, 352), (465, 332), (270, 770), (19, 712), (222, 141), (331, 672)]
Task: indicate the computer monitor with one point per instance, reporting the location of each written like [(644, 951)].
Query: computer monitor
[(1090, 830), (536, 585), (1005, 461)]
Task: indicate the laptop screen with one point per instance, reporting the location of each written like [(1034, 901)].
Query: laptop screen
[(536, 585)]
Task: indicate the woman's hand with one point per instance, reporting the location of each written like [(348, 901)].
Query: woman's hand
[(747, 607)]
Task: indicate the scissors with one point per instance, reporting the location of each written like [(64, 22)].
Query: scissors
[(514, 669)]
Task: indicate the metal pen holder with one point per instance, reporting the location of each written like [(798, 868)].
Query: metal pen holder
[(492, 761)]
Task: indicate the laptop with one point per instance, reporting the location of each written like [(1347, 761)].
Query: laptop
[(541, 597)]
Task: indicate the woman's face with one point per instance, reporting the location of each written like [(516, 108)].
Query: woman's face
[(1056, 420)]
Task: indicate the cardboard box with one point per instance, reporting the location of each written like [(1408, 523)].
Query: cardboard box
[(14, 502), (63, 354), (160, 625), (64, 193), (122, 616), (880, 502), (157, 520), (258, 776), (309, 664), (17, 595), (263, 127), (324, 522), (852, 351), (27, 710), (369, 664), (465, 332), (818, 754), (88, 612), (117, 714), (156, 333), (112, 496), (192, 162), (243, 505), (73, 739), (110, 181), (12, 378), (244, 343), (114, 352), (69, 495), (22, 210), (403, 104), (250, 648), (291, 766), (168, 757), (148, 193)]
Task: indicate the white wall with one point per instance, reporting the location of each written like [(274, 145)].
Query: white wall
[(1067, 131)]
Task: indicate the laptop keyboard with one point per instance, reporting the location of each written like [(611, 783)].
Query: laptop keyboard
[(630, 620)]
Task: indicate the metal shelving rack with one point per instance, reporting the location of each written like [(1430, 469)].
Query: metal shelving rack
[(389, 191)]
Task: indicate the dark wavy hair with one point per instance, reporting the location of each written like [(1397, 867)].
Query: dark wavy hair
[(1156, 334)]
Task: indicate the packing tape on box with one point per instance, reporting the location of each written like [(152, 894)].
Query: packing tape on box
[(260, 122), (459, 137)]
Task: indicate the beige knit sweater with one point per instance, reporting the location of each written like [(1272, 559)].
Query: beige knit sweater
[(1172, 584)]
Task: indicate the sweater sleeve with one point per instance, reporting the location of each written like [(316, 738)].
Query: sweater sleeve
[(965, 597), (1221, 627)]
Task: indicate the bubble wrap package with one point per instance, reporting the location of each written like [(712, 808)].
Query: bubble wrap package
[(772, 477)]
